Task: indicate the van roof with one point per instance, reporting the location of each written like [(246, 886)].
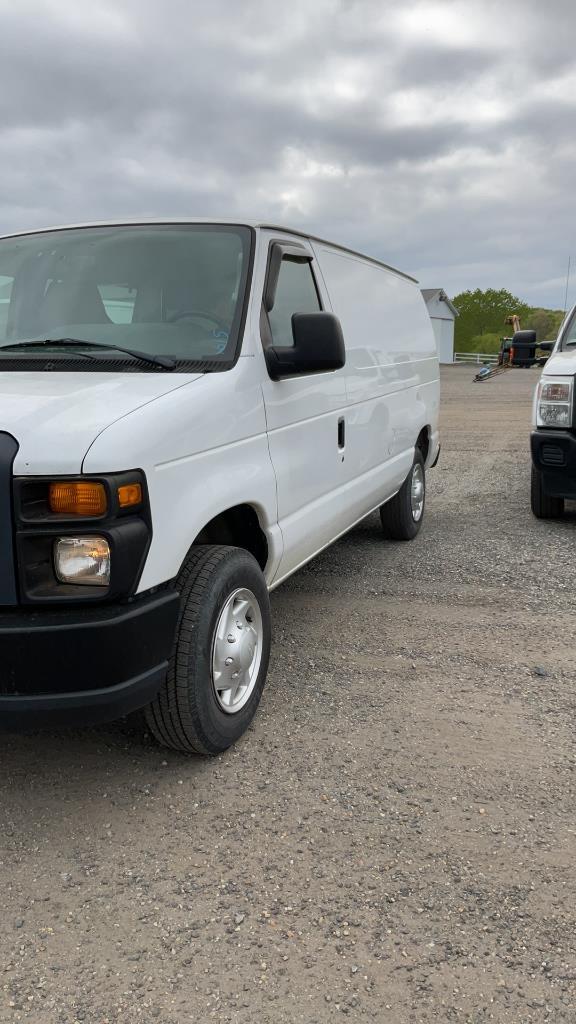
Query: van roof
[(336, 245), (213, 220)]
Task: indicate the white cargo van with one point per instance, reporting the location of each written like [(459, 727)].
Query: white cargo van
[(553, 439), (188, 413)]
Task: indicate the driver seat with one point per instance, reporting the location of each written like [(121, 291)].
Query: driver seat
[(72, 302)]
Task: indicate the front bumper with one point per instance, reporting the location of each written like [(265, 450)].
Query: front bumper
[(554, 455), (83, 665)]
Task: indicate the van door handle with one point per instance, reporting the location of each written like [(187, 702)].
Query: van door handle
[(341, 432)]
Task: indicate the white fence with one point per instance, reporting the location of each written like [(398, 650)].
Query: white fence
[(490, 358)]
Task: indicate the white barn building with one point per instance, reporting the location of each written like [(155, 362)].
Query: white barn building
[(442, 314)]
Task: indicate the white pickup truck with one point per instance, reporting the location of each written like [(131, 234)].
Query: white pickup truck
[(553, 439), (188, 413)]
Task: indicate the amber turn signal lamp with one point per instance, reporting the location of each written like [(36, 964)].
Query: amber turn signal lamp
[(129, 494), (77, 498)]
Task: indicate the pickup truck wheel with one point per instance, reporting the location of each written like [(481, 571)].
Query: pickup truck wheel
[(402, 516), (544, 506), (220, 658)]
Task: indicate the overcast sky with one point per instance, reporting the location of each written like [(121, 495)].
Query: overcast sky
[(439, 136)]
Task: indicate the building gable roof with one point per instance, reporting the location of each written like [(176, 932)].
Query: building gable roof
[(440, 295)]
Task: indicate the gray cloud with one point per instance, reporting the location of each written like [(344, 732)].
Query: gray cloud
[(422, 65), (437, 134)]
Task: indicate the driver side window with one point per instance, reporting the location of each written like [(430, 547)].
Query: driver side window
[(295, 293)]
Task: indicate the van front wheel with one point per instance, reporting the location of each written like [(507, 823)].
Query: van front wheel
[(402, 516), (218, 666)]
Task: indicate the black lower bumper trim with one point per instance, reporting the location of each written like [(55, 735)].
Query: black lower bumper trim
[(554, 456), (83, 665), (85, 707)]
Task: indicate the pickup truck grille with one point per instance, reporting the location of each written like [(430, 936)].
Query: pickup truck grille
[(8, 449)]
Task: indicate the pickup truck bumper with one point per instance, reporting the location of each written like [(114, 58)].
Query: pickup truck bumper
[(83, 665), (554, 455)]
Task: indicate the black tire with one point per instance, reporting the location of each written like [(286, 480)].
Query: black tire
[(543, 505), (186, 714), (398, 520)]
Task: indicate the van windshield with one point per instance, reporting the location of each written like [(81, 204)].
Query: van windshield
[(166, 290)]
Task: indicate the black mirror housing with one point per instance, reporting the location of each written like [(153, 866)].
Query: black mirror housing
[(318, 347), (525, 338)]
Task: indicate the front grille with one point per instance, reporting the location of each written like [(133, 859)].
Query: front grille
[(552, 455), (8, 449)]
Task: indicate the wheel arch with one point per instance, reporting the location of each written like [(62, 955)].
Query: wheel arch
[(239, 526), (423, 442)]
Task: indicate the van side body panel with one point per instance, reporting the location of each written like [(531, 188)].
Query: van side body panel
[(392, 373)]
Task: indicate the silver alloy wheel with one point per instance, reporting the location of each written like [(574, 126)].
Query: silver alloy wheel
[(237, 651), (417, 492)]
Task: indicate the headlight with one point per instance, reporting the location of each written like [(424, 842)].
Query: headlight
[(555, 402), (82, 560), (80, 539)]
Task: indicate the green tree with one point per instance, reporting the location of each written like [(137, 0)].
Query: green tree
[(484, 312), (546, 323), (484, 343)]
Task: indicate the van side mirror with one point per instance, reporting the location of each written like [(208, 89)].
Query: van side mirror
[(318, 347), (546, 346)]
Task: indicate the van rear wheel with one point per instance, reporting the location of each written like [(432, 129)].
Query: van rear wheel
[(402, 516), (218, 666), (543, 505)]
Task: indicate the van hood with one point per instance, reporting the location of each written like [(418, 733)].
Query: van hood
[(55, 417), (561, 364)]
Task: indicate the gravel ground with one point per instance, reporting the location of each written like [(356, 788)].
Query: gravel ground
[(394, 840)]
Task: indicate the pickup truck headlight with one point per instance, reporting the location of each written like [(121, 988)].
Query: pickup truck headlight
[(554, 406), (82, 560)]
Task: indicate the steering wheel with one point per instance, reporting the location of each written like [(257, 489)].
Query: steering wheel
[(198, 315)]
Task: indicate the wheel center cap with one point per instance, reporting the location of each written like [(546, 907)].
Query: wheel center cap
[(245, 649), (237, 651)]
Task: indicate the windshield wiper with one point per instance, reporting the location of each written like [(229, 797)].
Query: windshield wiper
[(164, 361)]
